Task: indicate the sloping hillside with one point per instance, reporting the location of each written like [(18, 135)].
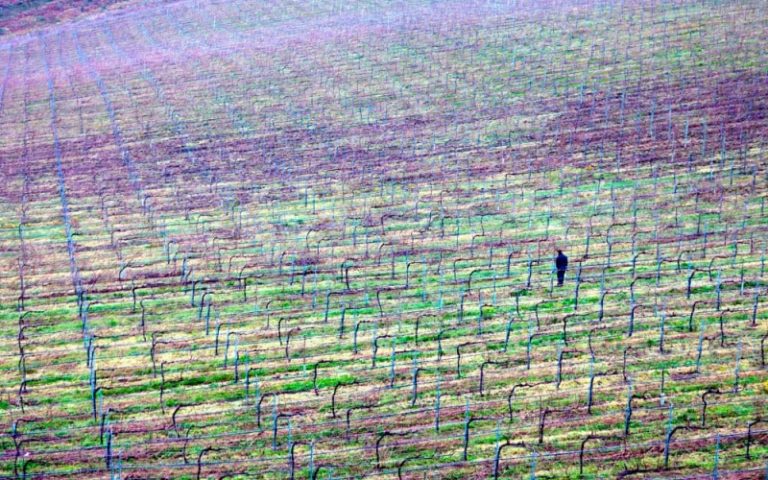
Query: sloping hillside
[(316, 239)]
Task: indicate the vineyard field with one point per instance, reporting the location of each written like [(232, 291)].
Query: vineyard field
[(316, 239)]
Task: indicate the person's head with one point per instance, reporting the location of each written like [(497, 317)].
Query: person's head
[(559, 251)]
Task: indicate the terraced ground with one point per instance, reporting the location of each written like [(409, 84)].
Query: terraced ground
[(315, 240)]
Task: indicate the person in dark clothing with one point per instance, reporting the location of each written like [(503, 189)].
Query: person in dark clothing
[(561, 263)]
